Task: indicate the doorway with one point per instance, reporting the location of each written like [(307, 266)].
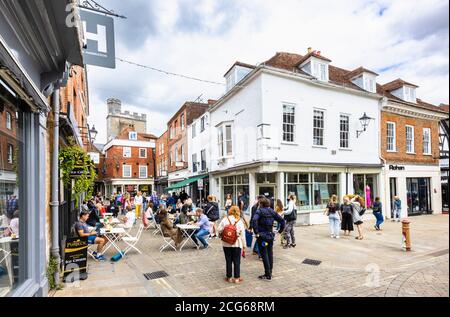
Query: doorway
[(267, 190), (418, 196), (393, 193)]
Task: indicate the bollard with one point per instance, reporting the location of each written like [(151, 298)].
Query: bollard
[(406, 234)]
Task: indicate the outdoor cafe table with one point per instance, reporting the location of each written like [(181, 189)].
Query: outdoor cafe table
[(112, 236), (114, 221), (188, 231)]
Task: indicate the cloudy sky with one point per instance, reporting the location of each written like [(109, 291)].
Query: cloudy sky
[(203, 38)]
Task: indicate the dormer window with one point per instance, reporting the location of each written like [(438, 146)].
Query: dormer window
[(315, 64), (364, 79), (369, 84), (236, 73), (409, 93), (132, 136)]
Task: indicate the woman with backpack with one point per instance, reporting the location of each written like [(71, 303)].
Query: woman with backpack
[(335, 217), (347, 218), (358, 210), (232, 231), (290, 216), (212, 212)]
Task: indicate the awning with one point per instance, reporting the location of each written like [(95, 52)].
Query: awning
[(186, 182)]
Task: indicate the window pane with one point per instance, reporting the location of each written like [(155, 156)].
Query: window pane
[(320, 178), (303, 178), (318, 127), (292, 177), (302, 192)]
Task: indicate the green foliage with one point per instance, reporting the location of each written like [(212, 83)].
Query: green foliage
[(53, 267), (73, 157)]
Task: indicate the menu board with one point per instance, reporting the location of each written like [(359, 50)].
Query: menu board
[(75, 259)]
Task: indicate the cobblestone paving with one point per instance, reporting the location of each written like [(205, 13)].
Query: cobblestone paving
[(376, 266)]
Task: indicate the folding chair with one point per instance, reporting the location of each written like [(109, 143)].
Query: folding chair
[(168, 242), (6, 254), (90, 248), (132, 241)]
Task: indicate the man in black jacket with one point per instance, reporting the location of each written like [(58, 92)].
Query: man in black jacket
[(262, 224)]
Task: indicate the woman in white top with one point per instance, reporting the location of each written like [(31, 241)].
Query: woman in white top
[(228, 202), (290, 216), (233, 251)]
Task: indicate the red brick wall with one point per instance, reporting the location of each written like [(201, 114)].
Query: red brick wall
[(114, 162), (400, 156), (7, 137), (162, 157)]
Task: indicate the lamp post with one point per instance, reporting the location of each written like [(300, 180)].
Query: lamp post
[(365, 121)]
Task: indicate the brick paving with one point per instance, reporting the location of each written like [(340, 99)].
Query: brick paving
[(374, 267)]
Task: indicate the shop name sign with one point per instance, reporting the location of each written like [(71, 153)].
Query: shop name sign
[(396, 168), (75, 259), (99, 36)]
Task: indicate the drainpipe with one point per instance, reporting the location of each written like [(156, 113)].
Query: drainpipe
[(55, 182)]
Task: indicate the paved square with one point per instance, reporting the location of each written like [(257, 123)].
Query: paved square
[(375, 266)]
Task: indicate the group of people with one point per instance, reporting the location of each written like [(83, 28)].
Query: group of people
[(10, 220), (345, 216)]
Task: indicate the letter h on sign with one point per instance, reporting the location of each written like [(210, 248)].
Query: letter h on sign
[(99, 33)]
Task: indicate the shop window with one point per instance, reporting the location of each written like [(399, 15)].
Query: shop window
[(313, 190), (366, 186), (13, 230), (237, 187)]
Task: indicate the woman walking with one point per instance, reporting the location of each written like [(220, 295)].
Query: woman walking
[(228, 202), (231, 225), (335, 217), (347, 218), (279, 208), (358, 204), (378, 213), (290, 216)]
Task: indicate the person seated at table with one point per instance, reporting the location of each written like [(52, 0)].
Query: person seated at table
[(203, 231), (128, 220), (13, 228), (83, 230), (168, 228), (93, 219), (188, 207), (179, 205), (113, 208), (171, 210)]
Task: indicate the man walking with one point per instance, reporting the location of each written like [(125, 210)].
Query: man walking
[(263, 228)]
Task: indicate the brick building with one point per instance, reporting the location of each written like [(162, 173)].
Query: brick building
[(177, 140), (162, 162), (129, 164), (410, 149)]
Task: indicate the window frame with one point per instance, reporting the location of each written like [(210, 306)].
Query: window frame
[(140, 149), (412, 150), (319, 129), (130, 168), (429, 149), (394, 136), (203, 167), (202, 124), (182, 122), (342, 131), (146, 171), (134, 134), (8, 120), (286, 123), (10, 153), (194, 163), (124, 149)]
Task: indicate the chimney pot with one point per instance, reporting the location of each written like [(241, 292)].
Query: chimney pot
[(319, 52), (310, 50)]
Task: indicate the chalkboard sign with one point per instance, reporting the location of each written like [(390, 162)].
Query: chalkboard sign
[(75, 259)]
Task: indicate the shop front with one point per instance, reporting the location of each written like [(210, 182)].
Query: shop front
[(417, 186), (312, 185)]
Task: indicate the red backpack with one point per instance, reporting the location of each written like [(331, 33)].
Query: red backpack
[(229, 233)]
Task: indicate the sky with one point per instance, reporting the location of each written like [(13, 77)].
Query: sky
[(406, 39)]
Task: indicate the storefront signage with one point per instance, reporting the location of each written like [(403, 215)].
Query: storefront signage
[(396, 168), (200, 184), (75, 259), (99, 34)]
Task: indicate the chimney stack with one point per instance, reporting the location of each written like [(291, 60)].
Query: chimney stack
[(310, 50), (319, 52)]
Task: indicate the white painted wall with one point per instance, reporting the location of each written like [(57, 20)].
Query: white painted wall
[(306, 97), (202, 141)]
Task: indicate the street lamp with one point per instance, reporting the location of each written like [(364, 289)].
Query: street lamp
[(93, 133), (365, 120)]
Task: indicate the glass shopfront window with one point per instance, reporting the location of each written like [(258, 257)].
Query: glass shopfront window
[(418, 195), (366, 186), (313, 190), (12, 229), (238, 187)]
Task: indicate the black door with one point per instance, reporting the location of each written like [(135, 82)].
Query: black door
[(393, 192), (418, 196)]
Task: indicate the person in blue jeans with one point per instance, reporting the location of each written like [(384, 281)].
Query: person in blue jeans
[(203, 231), (378, 213)]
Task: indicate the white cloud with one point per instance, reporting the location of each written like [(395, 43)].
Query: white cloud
[(408, 39)]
